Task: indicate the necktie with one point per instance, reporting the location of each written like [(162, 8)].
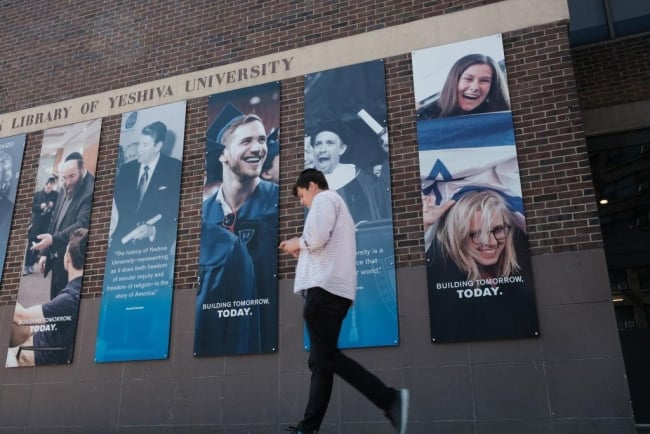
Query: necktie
[(142, 184)]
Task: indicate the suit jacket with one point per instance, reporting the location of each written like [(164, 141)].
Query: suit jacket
[(161, 197), (76, 216), (41, 218)]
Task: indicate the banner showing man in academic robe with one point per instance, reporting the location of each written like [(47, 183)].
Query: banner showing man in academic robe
[(346, 139), (47, 306), (11, 157), (237, 300), (135, 314), (478, 262)]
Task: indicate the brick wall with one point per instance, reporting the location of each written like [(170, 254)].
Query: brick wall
[(56, 52), (556, 180), (613, 72)]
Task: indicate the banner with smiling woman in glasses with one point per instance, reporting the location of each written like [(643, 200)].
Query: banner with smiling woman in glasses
[(478, 260), (237, 300)]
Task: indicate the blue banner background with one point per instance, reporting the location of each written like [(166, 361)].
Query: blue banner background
[(135, 313)]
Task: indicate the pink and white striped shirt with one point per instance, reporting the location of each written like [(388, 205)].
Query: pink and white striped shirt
[(328, 248)]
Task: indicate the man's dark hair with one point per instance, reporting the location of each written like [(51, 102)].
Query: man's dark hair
[(77, 247), (310, 175), (157, 130)]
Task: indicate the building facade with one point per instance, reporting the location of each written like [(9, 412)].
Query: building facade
[(570, 379)]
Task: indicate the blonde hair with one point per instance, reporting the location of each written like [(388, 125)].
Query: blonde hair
[(453, 232)]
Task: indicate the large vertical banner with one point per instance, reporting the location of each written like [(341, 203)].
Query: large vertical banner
[(347, 140), (135, 314), (47, 306), (478, 261), (237, 300), (11, 157)]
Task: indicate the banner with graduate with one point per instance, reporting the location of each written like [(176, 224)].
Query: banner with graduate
[(47, 304), (135, 313), (478, 261), (11, 157), (346, 139), (237, 300)]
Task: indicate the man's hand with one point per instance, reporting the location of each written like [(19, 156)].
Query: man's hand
[(291, 246), (17, 313), (144, 231), (46, 241), (41, 263)]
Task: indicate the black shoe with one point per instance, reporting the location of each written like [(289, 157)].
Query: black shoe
[(398, 413), (296, 430)]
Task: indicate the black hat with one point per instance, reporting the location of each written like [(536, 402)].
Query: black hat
[(74, 156), (337, 126)]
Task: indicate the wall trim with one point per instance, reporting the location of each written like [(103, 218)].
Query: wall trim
[(616, 118)]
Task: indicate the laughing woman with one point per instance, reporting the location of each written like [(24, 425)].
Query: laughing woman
[(474, 85)]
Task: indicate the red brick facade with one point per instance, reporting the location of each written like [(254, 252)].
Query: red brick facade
[(613, 72), (59, 53)]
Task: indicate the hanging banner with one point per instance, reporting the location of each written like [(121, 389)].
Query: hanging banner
[(135, 314), (47, 306), (346, 139), (478, 261), (237, 301), (11, 157)]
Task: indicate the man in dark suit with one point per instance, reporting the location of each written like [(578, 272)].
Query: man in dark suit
[(42, 206), (71, 212), (146, 194)]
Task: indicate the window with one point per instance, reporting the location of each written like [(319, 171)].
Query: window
[(627, 154), (599, 20), (625, 317), (618, 280)]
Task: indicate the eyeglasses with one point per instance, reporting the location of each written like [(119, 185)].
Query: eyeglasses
[(229, 221), (500, 233)]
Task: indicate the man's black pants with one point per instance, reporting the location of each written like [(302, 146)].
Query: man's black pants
[(324, 313)]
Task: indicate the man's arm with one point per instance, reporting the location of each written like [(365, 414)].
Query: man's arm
[(36, 203), (82, 220), (30, 315), (320, 223)]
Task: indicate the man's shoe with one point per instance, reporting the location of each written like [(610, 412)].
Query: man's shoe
[(296, 430), (398, 413)]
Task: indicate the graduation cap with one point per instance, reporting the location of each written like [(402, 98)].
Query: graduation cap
[(216, 130), (335, 125)]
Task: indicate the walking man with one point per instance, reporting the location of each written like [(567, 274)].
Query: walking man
[(326, 278)]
